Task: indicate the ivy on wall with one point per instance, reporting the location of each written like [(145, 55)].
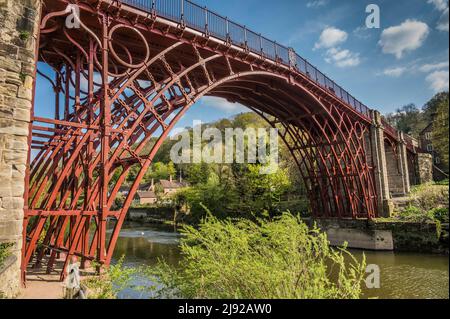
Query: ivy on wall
[(4, 251)]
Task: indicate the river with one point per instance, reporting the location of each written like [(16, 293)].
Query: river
[(403, 275)]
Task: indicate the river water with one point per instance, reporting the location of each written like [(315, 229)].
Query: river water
[(403, 275)]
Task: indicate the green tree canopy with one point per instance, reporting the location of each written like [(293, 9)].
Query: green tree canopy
[(440, 128)]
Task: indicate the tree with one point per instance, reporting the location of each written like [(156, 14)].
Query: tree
[(261, 192), (431, 107), (198, 173), (440, 128), (408, 119)]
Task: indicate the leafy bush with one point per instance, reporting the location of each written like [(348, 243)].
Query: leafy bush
[(430, 196), (114, 279), (440, 214), (275, 259)]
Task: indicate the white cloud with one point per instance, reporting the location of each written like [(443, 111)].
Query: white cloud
[(316, 3), (438, 81), (443, 22), (441, 5), (223, 104), (433, 67), (395, 72), (342, 58), (408, 36), (331, 37)]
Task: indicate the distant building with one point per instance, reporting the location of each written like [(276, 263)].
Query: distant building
[(146, 197), (171, 187), (426, 143), (146, 194)]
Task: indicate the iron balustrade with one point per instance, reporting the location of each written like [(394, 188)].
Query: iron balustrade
[(203, 20)]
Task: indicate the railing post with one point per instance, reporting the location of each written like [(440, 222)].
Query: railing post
[(182, 11), (276, 50), (227, 25), (260, 44), (292, 58), (245, 38), (206, 21)]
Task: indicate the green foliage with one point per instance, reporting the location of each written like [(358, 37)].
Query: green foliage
[(440, 129), (442, 183), (440, 214), (430, 196), (429, 203), (198, 173), (431, 107), (24, 35), (259, 192), (281, 258), (159, 171), (5, 251), (415, 214), (246, 193), (408, 119), (112, 281), (212, 194)]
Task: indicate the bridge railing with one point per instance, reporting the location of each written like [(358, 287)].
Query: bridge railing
[(203, 20)]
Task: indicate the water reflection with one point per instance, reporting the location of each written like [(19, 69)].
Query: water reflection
[(409, 275), (402, 275)]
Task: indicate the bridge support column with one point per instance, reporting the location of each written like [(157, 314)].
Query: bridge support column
[(19, 21), (403, 165), (385, 206), (424, 168)]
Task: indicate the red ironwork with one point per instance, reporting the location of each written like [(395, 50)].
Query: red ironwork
[(126, 77)]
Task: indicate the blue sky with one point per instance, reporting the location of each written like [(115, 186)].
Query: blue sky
[(404, 61)]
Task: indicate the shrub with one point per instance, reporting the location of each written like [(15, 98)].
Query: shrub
[(429, 196), (114, 279), (440, 214), (281, 258)]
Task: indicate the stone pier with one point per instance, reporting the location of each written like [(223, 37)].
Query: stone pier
[(18, 36)]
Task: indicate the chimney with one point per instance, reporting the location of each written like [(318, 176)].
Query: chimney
[(170, 178), (152, 186)]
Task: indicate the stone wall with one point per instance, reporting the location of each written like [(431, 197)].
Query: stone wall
[(424, 168), (394, 174), (18, 34), (383, 234)]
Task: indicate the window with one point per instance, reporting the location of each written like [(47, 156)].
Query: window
[(430, 148), (428, 136), (437, 161)]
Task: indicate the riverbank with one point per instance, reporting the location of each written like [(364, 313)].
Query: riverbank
[(388, 234)]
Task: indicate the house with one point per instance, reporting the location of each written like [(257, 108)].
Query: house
[(146, 194), (171, 187), (146, 197), (426, 143)]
